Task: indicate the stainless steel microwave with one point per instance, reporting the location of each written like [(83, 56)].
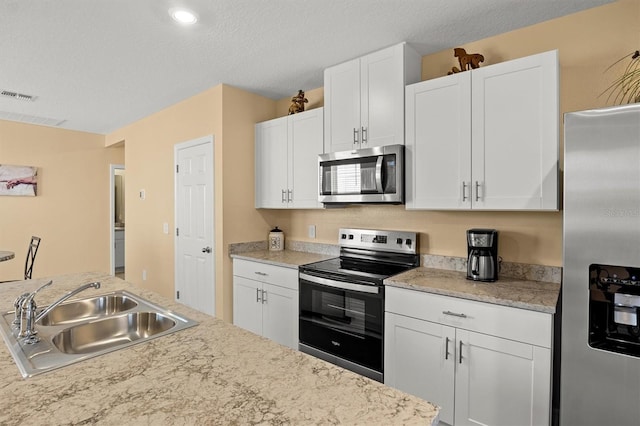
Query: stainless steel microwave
[(371, 175)]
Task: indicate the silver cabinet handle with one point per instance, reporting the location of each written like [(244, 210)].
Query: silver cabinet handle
[(284, 196), (454, 314), (264, 274), (364, 135), (477, 191), (355, 136), (460, 356), (264, 296), (446, 348), (206, 250), (258, 295), (289, 195), (464, 191)]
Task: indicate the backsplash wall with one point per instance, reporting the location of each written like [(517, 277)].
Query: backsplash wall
[(524, 237)]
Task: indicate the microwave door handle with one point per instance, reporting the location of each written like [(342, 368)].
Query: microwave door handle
[(379, 174)]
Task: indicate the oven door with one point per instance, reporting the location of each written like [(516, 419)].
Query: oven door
[(342, 322)]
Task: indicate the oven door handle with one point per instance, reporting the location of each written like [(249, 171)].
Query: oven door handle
[(340, 284)]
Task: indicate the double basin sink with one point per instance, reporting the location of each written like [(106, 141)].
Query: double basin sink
[(84, 328)]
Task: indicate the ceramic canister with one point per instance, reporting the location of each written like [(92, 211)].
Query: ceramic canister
[(276, 240)]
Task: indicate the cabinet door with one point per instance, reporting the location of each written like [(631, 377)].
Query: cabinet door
[(342, 106), (382, 97), (271, 164), (305, 144), (280, 315), (501, 382), (438, 145), (515, 134), (247, 306), (419, 359)]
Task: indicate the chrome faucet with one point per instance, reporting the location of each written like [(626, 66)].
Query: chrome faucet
[(28, 317)]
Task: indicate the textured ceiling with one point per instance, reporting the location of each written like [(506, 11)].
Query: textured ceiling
[(98, 65)]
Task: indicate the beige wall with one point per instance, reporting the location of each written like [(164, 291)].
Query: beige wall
[(70, 212), (588, 42), (238, 218), (227, 113)]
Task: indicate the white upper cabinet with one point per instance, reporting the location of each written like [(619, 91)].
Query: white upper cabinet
[(364, 99), (287, 150), (485, 139), (271, 163), (438, 148)]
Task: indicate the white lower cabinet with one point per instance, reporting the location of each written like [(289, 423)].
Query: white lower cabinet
[(481, 363), (265, 300)]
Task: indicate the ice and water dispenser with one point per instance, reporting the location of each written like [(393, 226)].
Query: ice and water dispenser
[(614, 308)]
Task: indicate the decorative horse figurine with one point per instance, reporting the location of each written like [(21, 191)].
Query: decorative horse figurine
[(297, 103), (467, 60)]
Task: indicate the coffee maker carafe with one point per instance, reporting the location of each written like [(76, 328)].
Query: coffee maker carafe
[(482, 249)]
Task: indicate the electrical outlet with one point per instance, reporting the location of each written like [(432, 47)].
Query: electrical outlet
[(143, 194), (312, 231), (144, 275), (165, 228)]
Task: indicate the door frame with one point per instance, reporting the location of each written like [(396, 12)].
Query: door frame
[(209, 140), (112, 212)]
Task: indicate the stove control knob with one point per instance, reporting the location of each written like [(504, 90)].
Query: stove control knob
[(408, 242), (351, 236), (399, 241), (343, 236)]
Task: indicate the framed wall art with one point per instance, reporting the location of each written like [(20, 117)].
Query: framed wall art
[(18, 180)]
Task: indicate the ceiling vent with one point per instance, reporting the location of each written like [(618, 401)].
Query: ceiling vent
[(18, 96), (31, 119)]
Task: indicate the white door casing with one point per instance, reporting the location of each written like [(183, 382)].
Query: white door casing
[(112, 207), (194, 234)]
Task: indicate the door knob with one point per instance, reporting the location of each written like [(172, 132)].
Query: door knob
[(206, 250)]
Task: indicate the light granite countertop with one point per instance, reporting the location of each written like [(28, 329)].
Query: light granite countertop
[(532, 295), (214, 373), (285, 258)]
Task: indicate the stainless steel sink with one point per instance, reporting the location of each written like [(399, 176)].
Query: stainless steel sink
[(90, 308), (111, 332), (85, 328)]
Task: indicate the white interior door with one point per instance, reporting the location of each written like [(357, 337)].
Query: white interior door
[(194, 237)]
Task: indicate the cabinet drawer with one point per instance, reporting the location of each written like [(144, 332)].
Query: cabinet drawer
[(511, 323), (276, 275)]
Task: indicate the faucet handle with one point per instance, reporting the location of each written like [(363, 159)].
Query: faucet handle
[(17, 304), (27, 301), (47, 284)]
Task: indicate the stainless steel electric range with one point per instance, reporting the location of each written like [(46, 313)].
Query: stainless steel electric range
[(342, 299)]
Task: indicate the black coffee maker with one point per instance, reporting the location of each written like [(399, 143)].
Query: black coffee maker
[(482, 249)]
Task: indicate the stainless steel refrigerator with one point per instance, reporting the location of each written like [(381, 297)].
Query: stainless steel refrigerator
[(600, 345)]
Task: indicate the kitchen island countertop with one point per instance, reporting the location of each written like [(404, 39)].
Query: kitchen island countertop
[(214, 373), (532, 295)]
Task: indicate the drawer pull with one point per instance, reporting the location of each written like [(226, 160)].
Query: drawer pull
[(264, 274), (454, 314)]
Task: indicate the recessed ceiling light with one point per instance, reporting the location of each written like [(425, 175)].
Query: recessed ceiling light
[(183, 16)]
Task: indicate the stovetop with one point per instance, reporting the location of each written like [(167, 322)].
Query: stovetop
[(368, 256)]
